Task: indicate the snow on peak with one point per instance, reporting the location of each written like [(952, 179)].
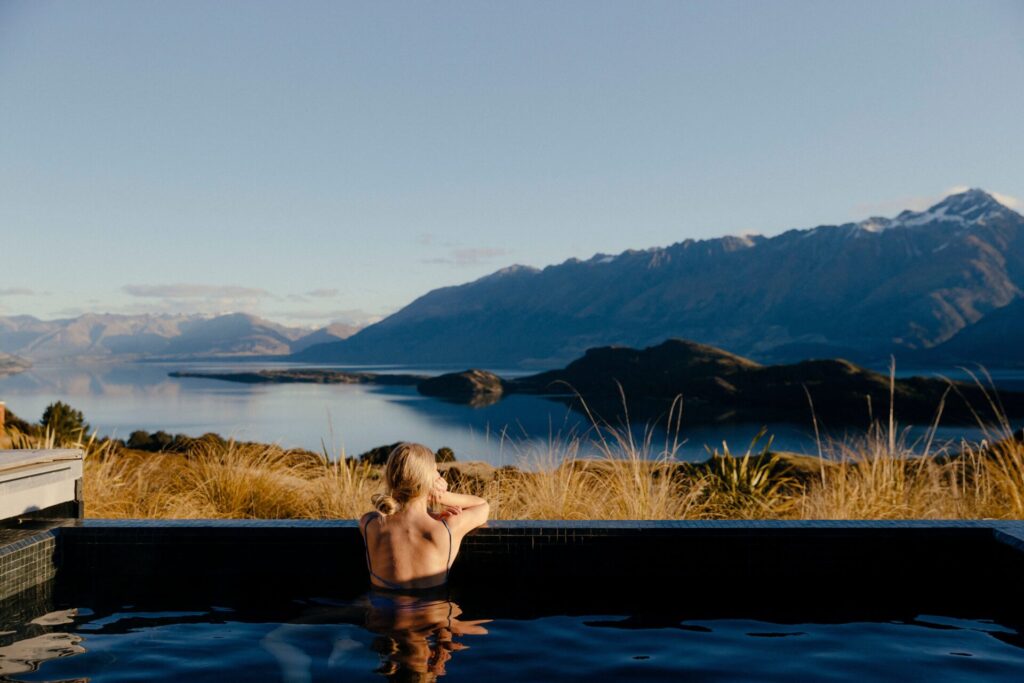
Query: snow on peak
[(875, 224), (515, 269), (969, 207), (747, 238)]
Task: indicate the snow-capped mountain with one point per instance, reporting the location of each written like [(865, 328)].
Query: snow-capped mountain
[(856, 289)]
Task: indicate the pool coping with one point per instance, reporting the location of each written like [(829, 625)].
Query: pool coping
[(1009, 532)]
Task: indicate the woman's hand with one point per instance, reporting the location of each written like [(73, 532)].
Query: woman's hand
[(446, 512), (440, 485), (437, 490)]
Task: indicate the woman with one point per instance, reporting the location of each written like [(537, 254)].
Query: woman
[(407, 548)]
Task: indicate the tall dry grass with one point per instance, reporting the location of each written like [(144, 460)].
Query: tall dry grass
[(217, 481), (882, 475), (609, 473)]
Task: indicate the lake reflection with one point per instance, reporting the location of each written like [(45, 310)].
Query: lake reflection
[(347, 419)]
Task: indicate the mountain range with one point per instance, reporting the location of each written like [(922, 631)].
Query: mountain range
[(944, 283), (940, 286), (157, 336)]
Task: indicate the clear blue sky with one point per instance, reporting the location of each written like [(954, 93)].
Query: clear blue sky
[(311, 161)]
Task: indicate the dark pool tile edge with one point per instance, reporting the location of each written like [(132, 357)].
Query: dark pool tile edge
[(94, 523), (520, 526), (1010, 534)]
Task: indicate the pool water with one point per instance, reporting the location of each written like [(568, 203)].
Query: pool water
[(373, 637)]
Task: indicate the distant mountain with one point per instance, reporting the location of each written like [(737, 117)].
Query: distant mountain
[(860, 290), (88, 335), (325, 335), (234, 334), (997, 340), (156, 336)]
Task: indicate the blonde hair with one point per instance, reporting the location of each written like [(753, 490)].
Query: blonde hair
[(408, 474)]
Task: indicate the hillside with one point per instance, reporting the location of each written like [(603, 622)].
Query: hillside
[(860, 290), (716, 385), (997, 340)]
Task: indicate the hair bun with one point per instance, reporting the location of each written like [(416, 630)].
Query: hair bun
[(385, 504)]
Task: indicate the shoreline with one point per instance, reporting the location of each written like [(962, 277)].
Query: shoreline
[(837, 392)]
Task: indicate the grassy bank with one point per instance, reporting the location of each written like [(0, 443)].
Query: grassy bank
[(878, 476)]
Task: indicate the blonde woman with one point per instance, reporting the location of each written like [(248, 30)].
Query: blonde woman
[(407, 548)]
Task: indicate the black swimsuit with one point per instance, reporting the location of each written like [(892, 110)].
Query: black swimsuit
[(391, 584)]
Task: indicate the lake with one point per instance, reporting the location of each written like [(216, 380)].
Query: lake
[(350, 419)]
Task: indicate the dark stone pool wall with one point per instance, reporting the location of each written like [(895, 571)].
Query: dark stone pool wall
[(719, 563)]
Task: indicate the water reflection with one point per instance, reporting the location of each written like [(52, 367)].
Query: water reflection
[(26, 648), (415, 638), (118, 399)]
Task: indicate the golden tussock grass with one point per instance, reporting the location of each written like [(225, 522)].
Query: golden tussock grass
[(607, 475)]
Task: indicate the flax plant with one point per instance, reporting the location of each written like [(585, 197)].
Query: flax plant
[(748, 488)]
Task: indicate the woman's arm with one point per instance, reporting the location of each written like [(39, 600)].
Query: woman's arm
[(462, 511), (461, 500), (470, 518), (441, 496)]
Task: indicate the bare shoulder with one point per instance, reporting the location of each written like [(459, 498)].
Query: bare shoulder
[(365, 519), (469, 519)]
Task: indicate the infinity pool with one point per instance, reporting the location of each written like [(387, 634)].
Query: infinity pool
[(370, 637), (268, 600)]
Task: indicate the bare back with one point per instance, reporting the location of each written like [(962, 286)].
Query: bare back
[(407, 550)]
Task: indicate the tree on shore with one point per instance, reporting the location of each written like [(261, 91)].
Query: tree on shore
[(64, 422)]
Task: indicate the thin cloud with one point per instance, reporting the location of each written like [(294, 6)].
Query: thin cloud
[(347, 316), (195, 291), (17, 291), (429, 239), (194, 298), (322, 293), (469, 256), (1008, 201)]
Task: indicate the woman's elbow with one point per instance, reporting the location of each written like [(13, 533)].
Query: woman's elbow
[(485, 513)]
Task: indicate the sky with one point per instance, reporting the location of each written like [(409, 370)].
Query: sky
[(332, 161)]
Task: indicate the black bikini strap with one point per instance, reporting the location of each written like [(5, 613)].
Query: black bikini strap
[(448, 566), (366, 542)]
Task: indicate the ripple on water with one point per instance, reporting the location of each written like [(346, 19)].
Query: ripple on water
[(351, 642)]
